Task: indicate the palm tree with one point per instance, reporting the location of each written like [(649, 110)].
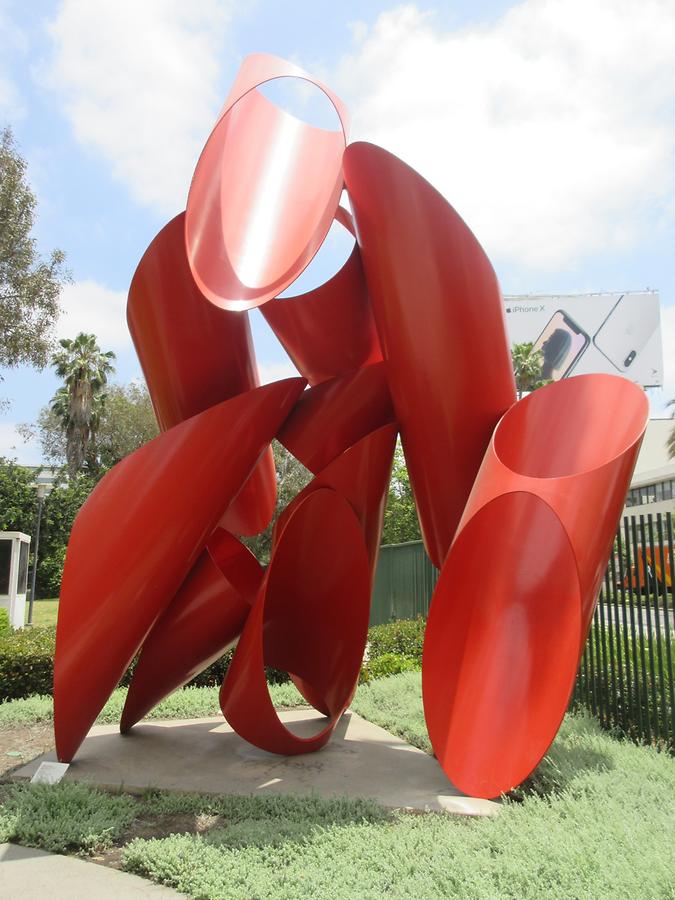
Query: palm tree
[(84, 369), (527, 365), (670, 443)]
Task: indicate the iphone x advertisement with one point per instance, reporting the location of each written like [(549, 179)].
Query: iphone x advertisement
[(581, 333)]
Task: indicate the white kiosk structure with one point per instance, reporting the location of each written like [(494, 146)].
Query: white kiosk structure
[(14, 549)]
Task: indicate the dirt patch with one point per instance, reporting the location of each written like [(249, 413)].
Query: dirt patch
[(27, 740), (148, 827)]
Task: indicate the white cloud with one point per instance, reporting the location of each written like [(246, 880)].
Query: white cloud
[(551, 130), (95, 309), (139, 81)]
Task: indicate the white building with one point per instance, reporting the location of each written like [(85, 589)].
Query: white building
[(652, 489)]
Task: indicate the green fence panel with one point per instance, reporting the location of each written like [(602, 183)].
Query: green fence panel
[(404, 582)]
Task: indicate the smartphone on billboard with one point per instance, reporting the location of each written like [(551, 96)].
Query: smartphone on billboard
[(626, 330), (562, 342)]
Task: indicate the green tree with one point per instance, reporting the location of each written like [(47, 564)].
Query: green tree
[(126, 422), (400, 517), (29, 286), (670, 443), (18, 497), (78, 405), (292, 477), (61, 506), (527, 366)]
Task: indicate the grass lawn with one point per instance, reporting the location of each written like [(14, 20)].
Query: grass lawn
[(44, 612), (595, 822), (188, 703)]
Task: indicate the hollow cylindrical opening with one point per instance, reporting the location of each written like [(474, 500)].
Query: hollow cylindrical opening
[(572, 426), (263, 196)]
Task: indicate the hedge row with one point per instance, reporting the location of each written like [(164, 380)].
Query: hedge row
[(404, 637), (27, 659), (4, 623)]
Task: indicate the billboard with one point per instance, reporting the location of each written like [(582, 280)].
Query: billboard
[(581, 333)]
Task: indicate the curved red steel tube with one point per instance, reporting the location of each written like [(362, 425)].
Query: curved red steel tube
[(503, 640), (133, 556), (310, 619), (439, 315), (194, 355), (204, 618), (361, 475), (332, 416), (264, 192), (330, 330)]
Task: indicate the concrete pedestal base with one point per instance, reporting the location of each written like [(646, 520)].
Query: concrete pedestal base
[(205, 755)]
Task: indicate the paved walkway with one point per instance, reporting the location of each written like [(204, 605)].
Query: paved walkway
[(205, 755), (29, 874)]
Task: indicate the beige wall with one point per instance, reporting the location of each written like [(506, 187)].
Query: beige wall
[(653, 455), (653, 465)]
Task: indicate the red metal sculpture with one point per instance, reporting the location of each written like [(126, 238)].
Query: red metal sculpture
[(407, 337)]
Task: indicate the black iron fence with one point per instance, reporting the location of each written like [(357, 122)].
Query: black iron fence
[(626, 674)]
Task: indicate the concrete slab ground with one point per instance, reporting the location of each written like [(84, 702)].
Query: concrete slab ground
[(29, 874), (206, 756)]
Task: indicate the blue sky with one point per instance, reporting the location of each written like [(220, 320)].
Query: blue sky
[(548, 124)]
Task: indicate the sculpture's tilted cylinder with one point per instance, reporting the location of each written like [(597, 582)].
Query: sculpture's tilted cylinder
[(264, 193), (516, 595)]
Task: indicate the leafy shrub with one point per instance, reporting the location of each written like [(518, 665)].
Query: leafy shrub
[(385, 665), (27, 665), (27, 659), (50, 570), (5, 628), (26, 662), (404, 637)]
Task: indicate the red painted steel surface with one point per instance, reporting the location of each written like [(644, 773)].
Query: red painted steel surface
[(330, 330), (136, 538), (332, 416), (194, 355), (264, 193), (361, 475), (439, 315), (573, 444), (502, 646), (310, 618), (500, 651), (204, 618)]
